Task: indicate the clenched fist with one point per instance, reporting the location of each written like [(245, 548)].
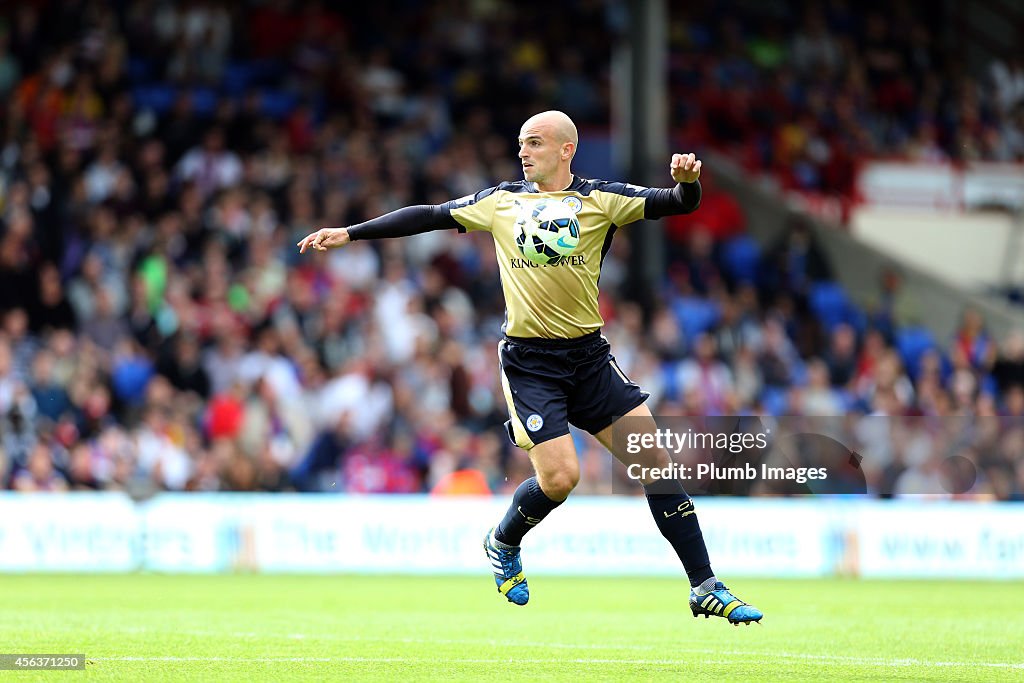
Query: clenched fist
[(685, 168)]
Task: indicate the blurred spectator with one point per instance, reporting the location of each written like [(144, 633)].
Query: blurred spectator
[(796, 261), (1008, 369), (211, 167), (841, 357), (706, 378), (50, 395), (50, 309), (973, 343), (39, 473)]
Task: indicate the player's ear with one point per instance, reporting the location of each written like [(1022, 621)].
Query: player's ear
[(568, 150)]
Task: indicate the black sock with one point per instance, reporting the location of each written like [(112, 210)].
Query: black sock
[(677, 521), (529, 506)]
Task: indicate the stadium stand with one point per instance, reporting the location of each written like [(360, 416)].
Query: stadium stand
[(160, 161)]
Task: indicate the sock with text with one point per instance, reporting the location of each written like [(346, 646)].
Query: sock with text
[(529, 506), (677, 521)]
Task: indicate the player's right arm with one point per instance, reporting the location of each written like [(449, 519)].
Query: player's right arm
[(412, 220), (472, 212)]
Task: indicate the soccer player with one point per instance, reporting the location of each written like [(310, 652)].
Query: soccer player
[(556, 368)]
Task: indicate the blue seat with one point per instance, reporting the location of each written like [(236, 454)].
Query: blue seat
[(741, 257), (267, 71), (695, 315), (670, 379), (204, 101), (238, 76), (277, 103), (831, 305), (828, 302), (775, 401), (159, 98), (911, 343)]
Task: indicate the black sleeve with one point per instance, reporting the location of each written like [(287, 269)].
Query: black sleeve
[(683, 198), (412, 220)]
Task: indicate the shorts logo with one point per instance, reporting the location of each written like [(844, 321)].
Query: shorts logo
[(534, 422), (573, 203)]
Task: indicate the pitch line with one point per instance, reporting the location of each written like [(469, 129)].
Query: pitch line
[(518, 660)]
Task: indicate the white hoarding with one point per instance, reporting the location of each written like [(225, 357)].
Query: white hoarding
[(941, 539), (585, 536), (68, 533)]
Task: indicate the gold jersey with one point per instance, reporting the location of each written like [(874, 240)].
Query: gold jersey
[(554, 301)]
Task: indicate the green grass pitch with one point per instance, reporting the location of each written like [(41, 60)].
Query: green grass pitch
[(314, 628)]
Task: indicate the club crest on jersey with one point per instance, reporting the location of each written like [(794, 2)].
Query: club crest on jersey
[(534, 422), (573, 203)]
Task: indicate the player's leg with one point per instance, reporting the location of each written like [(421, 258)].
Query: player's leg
[(606, 394), (557, 473), (537, 423), (676, 518), (603, 395), (672, 508)]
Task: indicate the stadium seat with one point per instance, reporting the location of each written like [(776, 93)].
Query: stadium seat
[(277, 103), (775, 401), (695, 315), (159, 98), (828, 301), (670, 380), (742, 256), (204, 101), (129, 379), (238, 76), (831, 305), (912, 342)]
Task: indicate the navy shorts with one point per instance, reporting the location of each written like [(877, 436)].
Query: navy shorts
[(550, 383)]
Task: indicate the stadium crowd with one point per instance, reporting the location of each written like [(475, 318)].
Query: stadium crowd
[(160, 332), (852, 81)]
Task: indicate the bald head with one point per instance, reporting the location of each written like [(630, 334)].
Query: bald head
[(556, 123)]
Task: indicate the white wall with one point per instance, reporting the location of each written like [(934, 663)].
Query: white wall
[(966, 249)]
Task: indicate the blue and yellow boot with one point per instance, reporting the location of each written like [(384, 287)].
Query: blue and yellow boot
[(719, 602), (507, 568)]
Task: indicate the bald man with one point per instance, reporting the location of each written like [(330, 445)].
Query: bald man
[(556, 368)]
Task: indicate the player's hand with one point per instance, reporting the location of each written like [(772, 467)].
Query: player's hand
[(685, 168), (324, 239)]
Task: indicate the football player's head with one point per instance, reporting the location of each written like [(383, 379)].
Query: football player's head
[(547, 142)]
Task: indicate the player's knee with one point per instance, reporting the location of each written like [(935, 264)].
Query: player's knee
[(558, 485)]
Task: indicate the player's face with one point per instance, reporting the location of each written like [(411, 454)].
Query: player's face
[(538, 153)]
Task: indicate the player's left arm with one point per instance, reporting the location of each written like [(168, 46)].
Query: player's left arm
[(684, 197), (624, 203)]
